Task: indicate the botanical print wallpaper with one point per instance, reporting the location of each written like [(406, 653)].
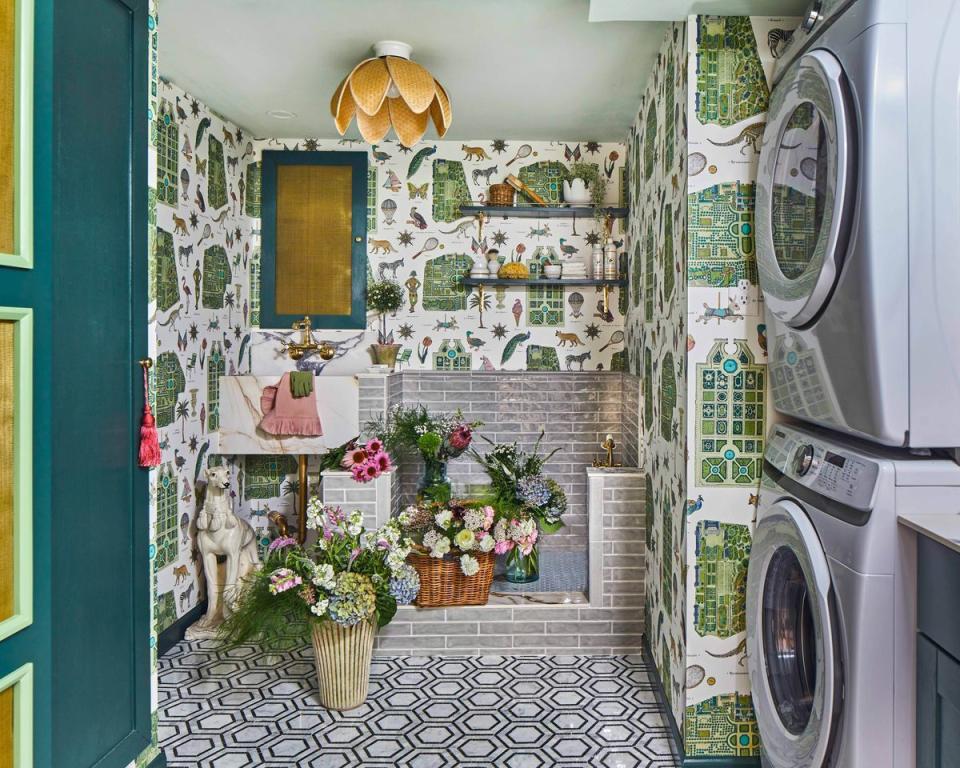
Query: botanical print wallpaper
[(655, 329), (730, 63), (695, 321), (200, 301), (417, 237)]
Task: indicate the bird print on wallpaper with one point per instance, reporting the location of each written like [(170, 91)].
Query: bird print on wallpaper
[(201, 129), (416, 219), (473, 341), (417, 160), (567, 250), (378, 155), (181, 112), (517, 311), (186, 150), (512, 345), (198, 199)]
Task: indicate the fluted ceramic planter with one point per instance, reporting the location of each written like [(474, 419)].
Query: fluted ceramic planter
[(343, 662)]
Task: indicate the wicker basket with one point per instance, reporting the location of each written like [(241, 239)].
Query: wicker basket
[(343, 662), (443, 584), (501, 194)]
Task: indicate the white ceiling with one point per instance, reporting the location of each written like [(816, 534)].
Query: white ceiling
[(675, 10), (530, 69)]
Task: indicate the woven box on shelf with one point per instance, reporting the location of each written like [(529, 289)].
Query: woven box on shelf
[(443, 583), (501, 194)]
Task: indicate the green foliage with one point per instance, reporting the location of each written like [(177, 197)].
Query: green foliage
[(385, 296), (429, 444), (590, 173)]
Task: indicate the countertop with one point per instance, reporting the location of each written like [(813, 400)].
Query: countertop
[(942, 528)]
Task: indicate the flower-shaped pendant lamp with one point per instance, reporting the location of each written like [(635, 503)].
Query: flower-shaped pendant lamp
[(390, 90)]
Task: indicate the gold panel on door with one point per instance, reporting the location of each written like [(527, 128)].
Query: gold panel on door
[(16, 474)]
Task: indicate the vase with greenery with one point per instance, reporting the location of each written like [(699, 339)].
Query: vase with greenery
[(385, 297), (436, 437), (528, 502), (336, 591), (595, 181)]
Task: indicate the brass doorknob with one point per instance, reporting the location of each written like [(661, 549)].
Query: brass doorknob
[(358, 239), (146, 363)]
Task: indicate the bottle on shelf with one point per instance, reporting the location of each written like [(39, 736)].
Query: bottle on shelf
[(597, 262), (611, 266)]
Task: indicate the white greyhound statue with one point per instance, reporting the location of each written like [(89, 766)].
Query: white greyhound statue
[(220, 532)]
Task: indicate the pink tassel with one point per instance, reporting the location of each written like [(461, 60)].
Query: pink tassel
[(149, 442)]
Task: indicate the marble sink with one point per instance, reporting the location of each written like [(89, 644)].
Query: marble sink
[(337, 403)]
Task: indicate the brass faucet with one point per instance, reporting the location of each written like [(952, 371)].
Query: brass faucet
[(608, 445), (307, 344)]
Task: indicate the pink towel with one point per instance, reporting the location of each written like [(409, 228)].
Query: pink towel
[(283, 414)]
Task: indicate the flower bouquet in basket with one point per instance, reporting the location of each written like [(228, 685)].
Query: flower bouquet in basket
[(452, 551), (337, 591), (436, 437), (529, 503)]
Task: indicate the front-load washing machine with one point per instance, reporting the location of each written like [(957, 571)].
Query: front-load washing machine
[(831, 615), (858, 195)]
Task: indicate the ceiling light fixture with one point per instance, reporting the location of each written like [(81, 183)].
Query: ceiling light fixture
[(388, 91), (281, 114)]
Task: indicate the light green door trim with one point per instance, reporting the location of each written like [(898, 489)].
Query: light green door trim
[(22, 679), (22, 471), (23, 139)]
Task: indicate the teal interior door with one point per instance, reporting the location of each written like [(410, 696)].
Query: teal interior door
[(87, 644)]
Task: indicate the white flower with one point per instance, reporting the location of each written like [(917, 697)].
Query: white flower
[(430, 538), (443, 518), (469, 565), (323, 576), (406, 515), (441, 547), (487, 543), (320, 607), (474, 519), (465, 539), (355, 523)]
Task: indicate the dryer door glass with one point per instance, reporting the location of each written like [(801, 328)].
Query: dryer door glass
[(804, 188), (789, 640)]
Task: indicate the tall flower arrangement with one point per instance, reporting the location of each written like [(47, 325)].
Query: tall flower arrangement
[(436, 437), (348, 575), (519, 486)]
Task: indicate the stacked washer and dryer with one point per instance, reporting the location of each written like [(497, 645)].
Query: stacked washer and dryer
[(858, 242)]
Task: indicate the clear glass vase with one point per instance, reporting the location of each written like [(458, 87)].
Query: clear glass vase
[(521, 568), (434, 485)]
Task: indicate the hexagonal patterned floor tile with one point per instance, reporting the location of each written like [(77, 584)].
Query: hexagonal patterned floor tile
[(244, 707)]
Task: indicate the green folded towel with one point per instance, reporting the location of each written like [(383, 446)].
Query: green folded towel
[(301, 383)]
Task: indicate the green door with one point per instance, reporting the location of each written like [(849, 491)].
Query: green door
[(74, 571)]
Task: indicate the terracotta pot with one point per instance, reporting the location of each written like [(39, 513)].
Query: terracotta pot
[(385, 354), (343, 662)]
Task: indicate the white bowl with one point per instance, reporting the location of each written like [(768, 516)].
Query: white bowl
[(552, 270)]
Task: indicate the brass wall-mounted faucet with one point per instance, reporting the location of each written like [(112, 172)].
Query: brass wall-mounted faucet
[(608, 445), (307, 343)]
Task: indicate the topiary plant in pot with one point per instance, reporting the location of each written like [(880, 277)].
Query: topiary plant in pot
[(385, 297)]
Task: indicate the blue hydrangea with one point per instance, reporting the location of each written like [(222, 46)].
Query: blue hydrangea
[(533, 490), (405, 585)]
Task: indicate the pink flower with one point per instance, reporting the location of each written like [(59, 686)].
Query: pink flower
[(460, 437), (382, 461), (359, 473), (354, 456), (374, 445), (488, 515), (372, 470), (503, 546), (281, 543)]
